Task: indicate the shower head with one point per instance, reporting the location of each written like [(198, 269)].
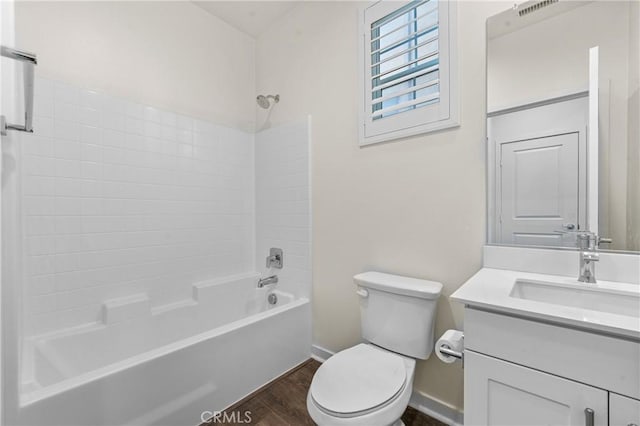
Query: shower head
[(264, 102)]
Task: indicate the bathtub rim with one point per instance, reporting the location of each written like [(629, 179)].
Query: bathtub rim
[(30, 398)]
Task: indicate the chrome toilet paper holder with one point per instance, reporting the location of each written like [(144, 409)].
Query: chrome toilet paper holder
[(443, 348), (447, 351)]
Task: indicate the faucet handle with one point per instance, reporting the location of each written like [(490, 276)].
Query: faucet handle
[(602, 240), (586, 240), (591, 241), (275, 258)]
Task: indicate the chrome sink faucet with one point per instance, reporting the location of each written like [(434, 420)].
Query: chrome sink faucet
[(588, 257), (588, 243)]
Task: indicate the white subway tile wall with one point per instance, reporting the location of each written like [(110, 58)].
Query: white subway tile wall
[(120, 199), (283, 203)]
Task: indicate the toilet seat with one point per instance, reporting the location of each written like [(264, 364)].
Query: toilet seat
[(359, 380)]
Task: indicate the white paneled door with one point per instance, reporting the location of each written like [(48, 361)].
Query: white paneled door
[(513, 395), (540, 173), (539, 180)]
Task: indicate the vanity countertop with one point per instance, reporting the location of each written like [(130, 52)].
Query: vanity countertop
[(493, 289)]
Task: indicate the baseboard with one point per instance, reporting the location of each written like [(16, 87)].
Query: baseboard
[(437, 409), (320, 354), (426, 404), (246, 398)]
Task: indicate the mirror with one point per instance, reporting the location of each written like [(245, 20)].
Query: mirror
[(563, 123)]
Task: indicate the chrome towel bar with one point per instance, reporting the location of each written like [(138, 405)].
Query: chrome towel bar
[(30, 61)]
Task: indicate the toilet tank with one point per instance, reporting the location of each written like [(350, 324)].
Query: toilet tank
[(398, 313)]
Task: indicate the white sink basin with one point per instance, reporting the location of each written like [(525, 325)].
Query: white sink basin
[(583, 296), (608, 307)]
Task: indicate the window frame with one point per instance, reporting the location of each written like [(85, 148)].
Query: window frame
[(438, 116)]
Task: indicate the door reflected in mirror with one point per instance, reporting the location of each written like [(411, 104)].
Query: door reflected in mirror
[(563, 123)]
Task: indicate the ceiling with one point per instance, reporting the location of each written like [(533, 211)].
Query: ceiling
[(251, 17)]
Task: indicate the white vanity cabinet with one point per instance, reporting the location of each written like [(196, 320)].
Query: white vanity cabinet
[(623, 411), (521, 371), (502, 393)]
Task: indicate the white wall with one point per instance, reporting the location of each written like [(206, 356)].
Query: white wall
[(283, 204), (413, 207), (172, 55), (551, 57), (120, 198)]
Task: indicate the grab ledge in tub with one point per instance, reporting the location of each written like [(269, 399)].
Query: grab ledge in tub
[(223, 280), (139, 305), (210, 289), (125, 308)]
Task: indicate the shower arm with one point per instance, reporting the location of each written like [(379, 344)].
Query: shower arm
[(30, 61)]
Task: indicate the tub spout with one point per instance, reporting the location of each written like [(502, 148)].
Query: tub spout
[(273, 279)]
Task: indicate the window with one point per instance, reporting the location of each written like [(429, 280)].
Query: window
[(407, 62)]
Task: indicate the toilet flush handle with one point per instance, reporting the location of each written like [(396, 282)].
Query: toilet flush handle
[(362, 292)]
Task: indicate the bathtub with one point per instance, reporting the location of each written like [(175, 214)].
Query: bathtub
[(175, 366)]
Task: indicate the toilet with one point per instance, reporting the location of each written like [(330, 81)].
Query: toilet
[(371, 383)]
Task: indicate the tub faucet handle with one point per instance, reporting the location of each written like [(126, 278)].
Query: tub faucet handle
[(275, 258)]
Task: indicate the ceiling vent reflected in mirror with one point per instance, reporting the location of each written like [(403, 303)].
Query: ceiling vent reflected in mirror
[(522, 15), (535, 7)]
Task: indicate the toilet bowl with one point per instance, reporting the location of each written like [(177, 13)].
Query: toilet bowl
[(362, 385), (371, 383)]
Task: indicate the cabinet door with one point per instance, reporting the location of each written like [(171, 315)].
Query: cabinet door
[(501, 393), (623, 411)]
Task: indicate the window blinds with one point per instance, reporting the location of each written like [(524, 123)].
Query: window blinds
[(405, 61)]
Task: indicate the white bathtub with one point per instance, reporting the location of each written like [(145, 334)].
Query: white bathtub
[(168, 367)]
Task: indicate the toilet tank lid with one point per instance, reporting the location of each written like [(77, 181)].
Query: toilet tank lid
[(398, 284)]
